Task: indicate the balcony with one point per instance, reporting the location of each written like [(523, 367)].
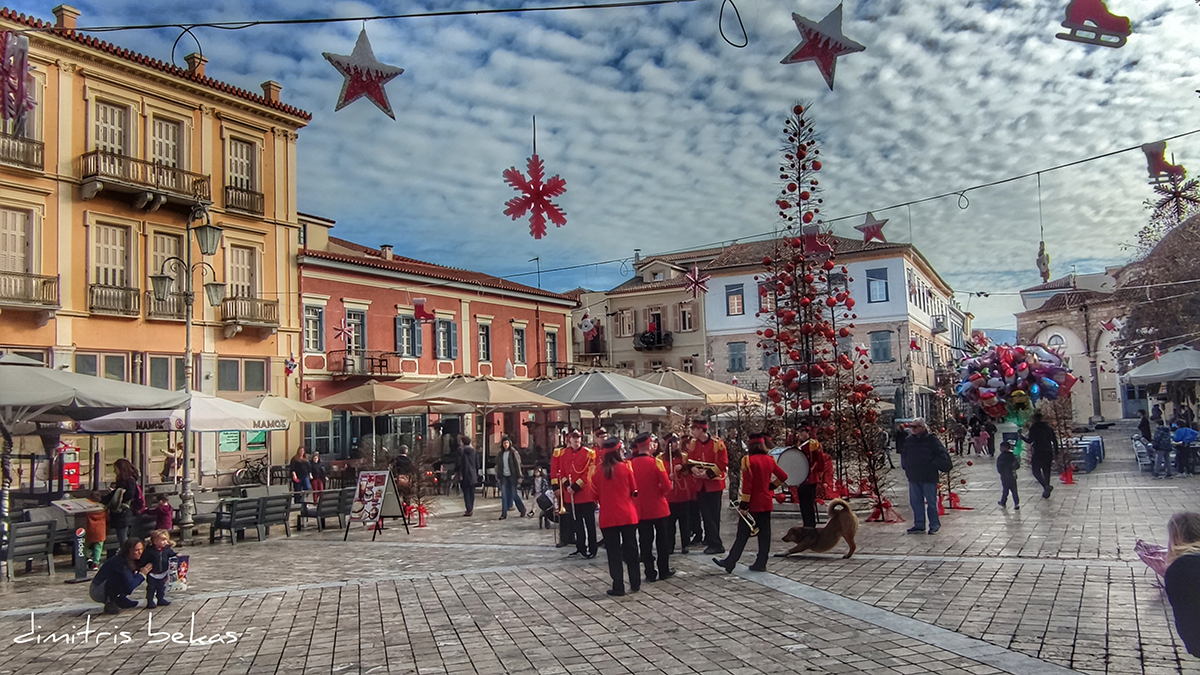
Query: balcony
[(23, 152), (348, 363), (244, 200), (22, 291), (245, 312), (653, 341), (153, 183), (595, 347), (174, 308), (116, 300)]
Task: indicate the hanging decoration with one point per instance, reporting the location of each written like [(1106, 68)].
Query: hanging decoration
[(872, 228), (1043, 262), (536, 195), (1091, 23), (365, 75), (1179, 198), (588, 327), (695, 282), (342, 331), (1157, 166), (1157, 352), (421, 314), (822, 43), (815, 241), (1113, 325), (709, 367), (17, 85), (290, 365), (913, 345)]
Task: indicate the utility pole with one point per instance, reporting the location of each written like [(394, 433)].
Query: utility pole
[(538, 260)]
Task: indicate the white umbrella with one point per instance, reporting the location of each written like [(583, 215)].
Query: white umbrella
[(1178, 364), (208, 414), (295, 411)]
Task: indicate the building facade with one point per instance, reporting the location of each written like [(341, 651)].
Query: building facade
[(97, 191)]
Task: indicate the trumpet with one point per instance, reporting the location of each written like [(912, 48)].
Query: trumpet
[(745, 515), (562, 499)]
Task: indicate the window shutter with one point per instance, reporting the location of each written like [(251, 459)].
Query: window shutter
[(645, 320), (675, 327), (417, 329), (399, 333), (453, 340), (320, 329)]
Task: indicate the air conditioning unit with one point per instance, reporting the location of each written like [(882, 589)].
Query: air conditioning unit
[(939, 324)]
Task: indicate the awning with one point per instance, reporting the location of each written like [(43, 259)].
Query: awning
[(1178, 364), (208, 414)]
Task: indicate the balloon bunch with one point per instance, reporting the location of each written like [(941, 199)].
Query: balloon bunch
[(1007, 381)]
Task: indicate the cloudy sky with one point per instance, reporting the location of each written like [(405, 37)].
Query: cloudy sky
[(668, 137)]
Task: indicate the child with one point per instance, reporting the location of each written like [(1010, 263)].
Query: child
[(1007, 464), (981, 441), (158, 555), (164, 513), (96, 532)]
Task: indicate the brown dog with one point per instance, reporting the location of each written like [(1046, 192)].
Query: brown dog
[(843, 524)]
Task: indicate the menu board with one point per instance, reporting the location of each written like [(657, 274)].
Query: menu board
[(368, 497)]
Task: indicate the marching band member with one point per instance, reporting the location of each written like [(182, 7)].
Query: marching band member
[(760, 477), (653, 484), (705, 448), (682, 498), (806, 493), (617, 489), (572, 468)]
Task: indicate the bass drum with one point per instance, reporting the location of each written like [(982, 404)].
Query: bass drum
[(794, 463)]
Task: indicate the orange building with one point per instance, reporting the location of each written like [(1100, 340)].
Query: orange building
[(96, 194)]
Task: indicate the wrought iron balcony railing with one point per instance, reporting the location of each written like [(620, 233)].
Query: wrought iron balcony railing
[(117, 300), (32, 290), (362, 362), (250, 311), (174, 308)]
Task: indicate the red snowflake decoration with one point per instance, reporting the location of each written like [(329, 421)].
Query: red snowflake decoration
[(342, 331), (695, 282), (1180, 198), (535, 197)]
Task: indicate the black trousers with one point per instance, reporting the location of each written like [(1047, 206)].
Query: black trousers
[(1041, 470), (696, 521), (763, 520), (1009, 485), (682, 514), (620, 543), (566, 526), (156, 589), (710, 515), (806, 497), (650, 533), (584, 518)]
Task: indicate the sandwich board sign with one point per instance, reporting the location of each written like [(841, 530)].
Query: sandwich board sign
[(375, 498)]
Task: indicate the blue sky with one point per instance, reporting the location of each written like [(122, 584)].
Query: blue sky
[(668, 137)]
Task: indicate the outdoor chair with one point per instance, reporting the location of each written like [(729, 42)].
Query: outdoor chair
[(256, 492), (237, 516), (27, 540), (64, 533), (345, 504), (280, 475), (327, 504), (274, 510), (1142, 454)]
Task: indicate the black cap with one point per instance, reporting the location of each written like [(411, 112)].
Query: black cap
[(643, 438), (611, 443), (699, 423)]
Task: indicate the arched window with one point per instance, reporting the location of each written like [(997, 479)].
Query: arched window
[(1056, 340)]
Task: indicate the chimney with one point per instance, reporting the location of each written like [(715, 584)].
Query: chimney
[(637, 256), (195, 63), (386, 249), (65, 16), (271, 90)]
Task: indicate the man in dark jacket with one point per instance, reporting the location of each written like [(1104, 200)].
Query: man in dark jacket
[(923, 459), (1162, 450), (468, 472), (1144, 425), (1044, 443)]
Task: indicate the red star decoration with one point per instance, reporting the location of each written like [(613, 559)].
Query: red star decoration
[(695, 282), (872, 229), (815, 241), (536, 198), (822, 43), (365, 75)]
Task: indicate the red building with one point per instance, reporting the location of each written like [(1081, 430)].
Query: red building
[(371, 314)]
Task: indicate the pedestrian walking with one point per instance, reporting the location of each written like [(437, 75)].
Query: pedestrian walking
[(761, 476), (158, 556), (164, 513), (1144, 425), (653, 485), (990, 427), (119, 577), (508, 475), (923, 459), (1162, 450), (1007, 465), (468, 473), (319, 471), (301, 470), (981, 441), (125, 501), (711, 451), (95, 532), (1182, 580), (1044, 444), (616, 489), (958, 431)]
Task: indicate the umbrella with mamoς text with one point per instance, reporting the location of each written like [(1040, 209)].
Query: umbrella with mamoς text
[(295, 411)]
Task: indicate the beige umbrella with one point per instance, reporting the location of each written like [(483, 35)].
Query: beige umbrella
[(294, 411), (487, 395), (371, 398), (714, 393)]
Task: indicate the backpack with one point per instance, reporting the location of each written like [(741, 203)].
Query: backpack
[(138, 504)]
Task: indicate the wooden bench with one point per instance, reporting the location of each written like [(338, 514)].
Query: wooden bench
[(274, 510), (236, 516), (27, 540)]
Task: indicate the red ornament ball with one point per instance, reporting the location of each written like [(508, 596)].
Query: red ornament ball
[(798, 110), (970, 463), (816, 165), (963, 481)]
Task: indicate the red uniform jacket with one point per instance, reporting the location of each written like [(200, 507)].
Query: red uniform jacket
[(653, 485), (616, 496), (683, 482), (573, 467), (818, 461), (713, 452), (760, 476)]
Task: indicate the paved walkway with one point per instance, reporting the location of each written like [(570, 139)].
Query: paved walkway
[(1053, 587)]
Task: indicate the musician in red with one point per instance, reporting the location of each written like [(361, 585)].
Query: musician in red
[(760, 478), (653, 484), (682, 498), (573, 473), (566, 526), (705, 448), (818, 461), (617, 489)]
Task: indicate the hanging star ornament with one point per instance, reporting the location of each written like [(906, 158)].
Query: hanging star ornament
[(822, 43), (872, 229), (695, 282), (365, 75), (535, 198)]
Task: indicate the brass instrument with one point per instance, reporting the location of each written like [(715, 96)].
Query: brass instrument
[(562, 499), (702, 465), (745, 515)]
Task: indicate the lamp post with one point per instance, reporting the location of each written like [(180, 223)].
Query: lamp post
[(208, 238)]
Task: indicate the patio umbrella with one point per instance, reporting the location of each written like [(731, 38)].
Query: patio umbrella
[(485, 394), (209, 413), (370, 398), (714, 393), (1177, 364), (596, 391), (294, 411)]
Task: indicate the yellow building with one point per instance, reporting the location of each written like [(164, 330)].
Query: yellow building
[(96, 194)]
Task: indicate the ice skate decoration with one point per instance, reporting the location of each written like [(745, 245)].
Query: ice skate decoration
[(421, 314), (872, 229), (822, 43), (815, 241), (1043, 262), (1091, 23), (695, 282), (365, 75), (1157, 166)]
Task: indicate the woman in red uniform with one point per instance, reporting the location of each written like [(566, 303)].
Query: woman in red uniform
[(615, 488), (760, 476), (650, 475)]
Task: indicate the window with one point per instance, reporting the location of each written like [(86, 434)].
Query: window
[(734, 305), (314, 329), (408, 336), (166, 148), (519, 345), (229, 372), (243, 272), (837, 279), (656, 365), (324, 437), (356, 342), (241, 164), (160, 373), (658, 276), (110, 255), (14, 240), (770, 357), (687, 320), (112, 129), (166, 246), (447, 340), (86, 364), (248, 375), (1056, 340), (845, 345), (687, 364), (737, 357), (881, 346), (255, 378), (485, 342), (766, 298), (109, 366), (877, 286), (625, 325), (551, 347)]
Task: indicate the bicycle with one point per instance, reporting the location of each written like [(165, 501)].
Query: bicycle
[(253, 472)]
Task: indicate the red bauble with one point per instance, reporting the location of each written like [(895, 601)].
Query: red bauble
[(844, 332), (816, 165), (830, 302), (798, 110), (766, 260), (805, 404), (828, 265)]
